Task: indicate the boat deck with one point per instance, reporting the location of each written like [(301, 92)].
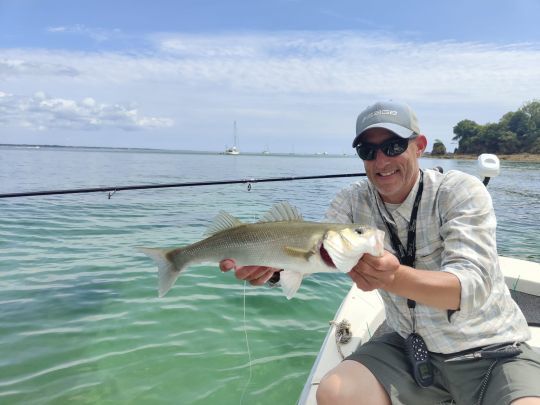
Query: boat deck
[(365, 312)]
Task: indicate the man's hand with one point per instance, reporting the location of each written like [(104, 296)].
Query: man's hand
[(374, 272), (256, 275)]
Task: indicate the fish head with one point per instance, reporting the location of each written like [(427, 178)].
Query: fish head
[(346, 246), (365, 237)]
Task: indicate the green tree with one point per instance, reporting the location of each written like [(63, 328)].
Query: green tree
[(533, 109), (530, 136), (508, 143), (465, 133), (519, 123), (438, 148), (517, 131), (535, 147), (489, 139)]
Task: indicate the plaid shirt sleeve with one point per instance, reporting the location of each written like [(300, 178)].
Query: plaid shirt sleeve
[(469, 240), (340, 210)]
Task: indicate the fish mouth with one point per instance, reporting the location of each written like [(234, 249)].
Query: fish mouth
[(325, 256)]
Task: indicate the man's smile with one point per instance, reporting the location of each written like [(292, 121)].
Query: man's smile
[(386, 174)]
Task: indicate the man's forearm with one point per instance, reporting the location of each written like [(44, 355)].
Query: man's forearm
[(432, 288)]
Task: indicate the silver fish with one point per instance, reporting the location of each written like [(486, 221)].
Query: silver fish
[(282, 240)]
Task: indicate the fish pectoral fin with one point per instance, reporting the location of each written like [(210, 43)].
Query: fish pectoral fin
[(299, 252), (290, 282)]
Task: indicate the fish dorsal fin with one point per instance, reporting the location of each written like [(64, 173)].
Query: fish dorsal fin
[(282, 211), (222, 222)]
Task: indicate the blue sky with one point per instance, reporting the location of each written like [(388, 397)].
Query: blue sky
[(294, 74)]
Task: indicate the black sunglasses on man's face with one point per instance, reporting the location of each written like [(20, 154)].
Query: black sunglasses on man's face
[(392, 147)]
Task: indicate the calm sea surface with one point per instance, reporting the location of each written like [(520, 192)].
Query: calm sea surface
[(80, 320)]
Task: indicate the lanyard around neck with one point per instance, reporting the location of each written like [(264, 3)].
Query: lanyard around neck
[(407, 256)]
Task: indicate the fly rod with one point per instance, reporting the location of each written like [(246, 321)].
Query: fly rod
[(113, 190)]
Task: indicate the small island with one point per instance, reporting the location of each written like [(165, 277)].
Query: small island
[(516, 137)]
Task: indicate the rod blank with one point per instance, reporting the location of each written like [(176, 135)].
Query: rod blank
[(174, 185)]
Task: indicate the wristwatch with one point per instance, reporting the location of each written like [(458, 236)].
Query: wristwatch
[(274, 280)]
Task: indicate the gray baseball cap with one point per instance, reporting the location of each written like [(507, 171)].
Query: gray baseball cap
[(396, 117)]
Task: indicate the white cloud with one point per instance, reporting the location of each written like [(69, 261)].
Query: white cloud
[(305, 63), (304, 85), (25, 67), (353, 64), (97, 34), (42, 112)]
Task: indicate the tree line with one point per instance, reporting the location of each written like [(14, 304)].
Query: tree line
[(516, 132)]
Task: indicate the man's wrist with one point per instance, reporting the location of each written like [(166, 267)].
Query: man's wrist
[(396, 285)]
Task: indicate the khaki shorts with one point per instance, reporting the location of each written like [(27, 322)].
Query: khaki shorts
[(460, 381)]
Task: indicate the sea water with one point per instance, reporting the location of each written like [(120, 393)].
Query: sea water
[(80, 320)]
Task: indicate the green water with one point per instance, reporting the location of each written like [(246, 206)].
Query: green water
[(80, 320)]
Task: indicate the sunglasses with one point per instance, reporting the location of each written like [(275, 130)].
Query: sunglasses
[(392, 147)]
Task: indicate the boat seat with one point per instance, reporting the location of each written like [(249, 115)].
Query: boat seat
[(529, 306)]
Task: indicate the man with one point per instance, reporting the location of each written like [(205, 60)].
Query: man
[(439, 277)]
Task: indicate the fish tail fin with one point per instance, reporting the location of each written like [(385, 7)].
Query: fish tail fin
[(168, 269)]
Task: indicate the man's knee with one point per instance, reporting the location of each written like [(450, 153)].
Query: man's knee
[(334, 390), (351, 383)]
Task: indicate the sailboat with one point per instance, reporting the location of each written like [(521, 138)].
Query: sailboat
[(233, 150)]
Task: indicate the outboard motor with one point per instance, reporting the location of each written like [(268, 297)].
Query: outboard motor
[(488, 166)]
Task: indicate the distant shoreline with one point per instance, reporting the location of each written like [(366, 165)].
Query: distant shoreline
[(182, 151), (518, 157)]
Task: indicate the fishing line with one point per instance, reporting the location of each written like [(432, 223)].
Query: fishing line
[(246, 335), (248, 349)]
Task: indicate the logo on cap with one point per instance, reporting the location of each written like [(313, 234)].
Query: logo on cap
[(379, 112)]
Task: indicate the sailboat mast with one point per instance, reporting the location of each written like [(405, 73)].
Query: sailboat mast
[(235, 135), (233, 150)]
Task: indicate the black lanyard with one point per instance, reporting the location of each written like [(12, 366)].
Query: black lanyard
[(407, 256)]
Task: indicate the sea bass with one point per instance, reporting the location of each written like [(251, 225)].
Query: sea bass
[(282, 239)]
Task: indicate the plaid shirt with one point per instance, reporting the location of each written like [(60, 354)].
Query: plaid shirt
[(455, 233)]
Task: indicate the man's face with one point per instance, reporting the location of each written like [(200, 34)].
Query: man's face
[(393, 177)]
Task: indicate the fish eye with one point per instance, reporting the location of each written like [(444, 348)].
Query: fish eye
[(359, 231)]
